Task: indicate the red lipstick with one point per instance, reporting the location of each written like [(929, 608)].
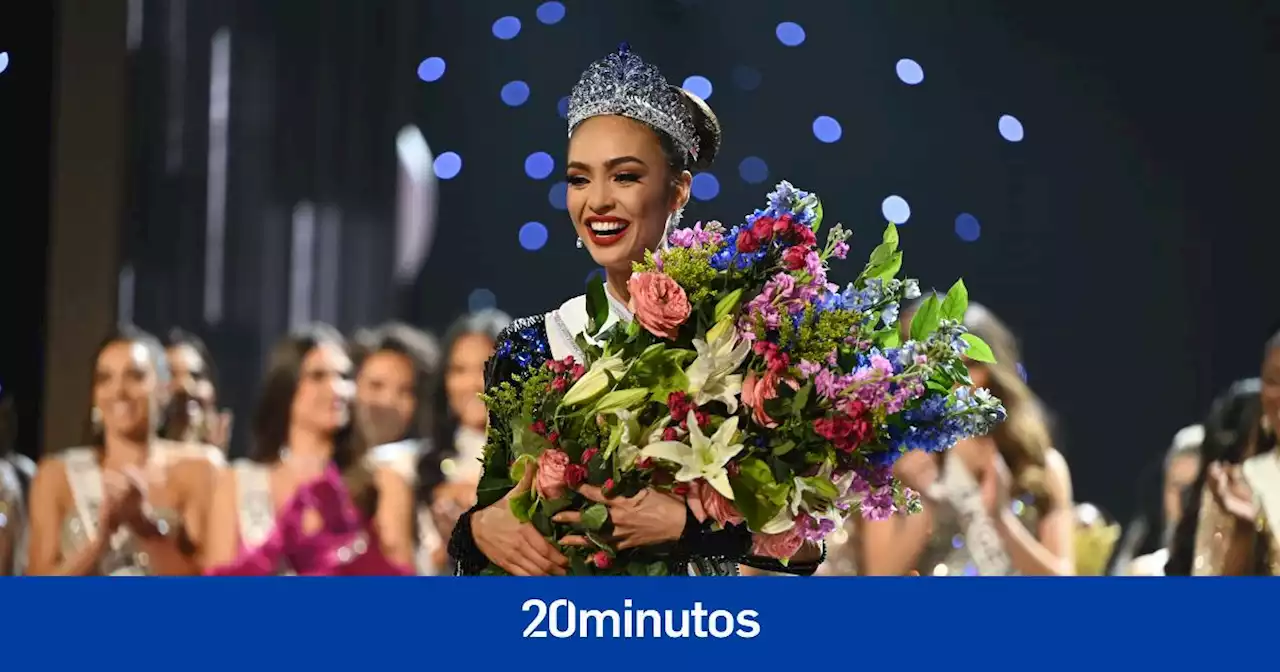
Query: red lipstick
[(604, 230)]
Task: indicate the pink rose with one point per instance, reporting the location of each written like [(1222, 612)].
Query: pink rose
[(707, 502), (659, 303), (550, 480), (779, 546), (755, 391)]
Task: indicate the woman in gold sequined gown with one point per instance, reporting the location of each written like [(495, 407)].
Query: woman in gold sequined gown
[(128, 502), (1233, 530), (993, 505)]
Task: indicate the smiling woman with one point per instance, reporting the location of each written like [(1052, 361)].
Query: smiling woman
[(634, 141), (129, 502)]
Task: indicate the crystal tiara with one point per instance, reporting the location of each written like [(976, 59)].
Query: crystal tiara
[(623, 84)]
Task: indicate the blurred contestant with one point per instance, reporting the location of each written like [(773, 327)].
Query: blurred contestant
[(129, 503)]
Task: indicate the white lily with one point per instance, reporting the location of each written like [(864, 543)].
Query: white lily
[(595, 380), (631, 437), (711, 375), (703, 457)]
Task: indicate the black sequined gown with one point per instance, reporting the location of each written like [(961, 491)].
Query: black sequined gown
[(701, 551)]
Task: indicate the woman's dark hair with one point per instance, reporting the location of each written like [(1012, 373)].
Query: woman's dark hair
[(421, 349), (444, 424), (178, 337), (272, 417), (706, 124), (1231, 424), (128, 333)]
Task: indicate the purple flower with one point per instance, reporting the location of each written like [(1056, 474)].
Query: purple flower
[(878, 503), (841, 250), (815, 529), (809, 369)]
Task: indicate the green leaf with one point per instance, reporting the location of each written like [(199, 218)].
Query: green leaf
[(524, 441), (978, 350), (594, 516), (956, 303), (728, 305), (597, 305), (800, 400), (822, 487), (880, 255), (889, 269), (926, 318), (784, 447), (522, 506), (551, 507), (892, 338), (520, 464), (891, 235), (601, 543), (817, 216), (657, 568)]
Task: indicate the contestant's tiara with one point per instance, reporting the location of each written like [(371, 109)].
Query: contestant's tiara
[(623, 84)]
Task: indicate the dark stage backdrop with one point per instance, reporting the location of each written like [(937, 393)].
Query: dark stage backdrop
[(1126, 237)]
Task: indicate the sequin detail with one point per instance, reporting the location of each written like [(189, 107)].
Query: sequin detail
[(521, 346)]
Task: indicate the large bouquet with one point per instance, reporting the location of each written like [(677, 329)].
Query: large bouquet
[(747, 383)]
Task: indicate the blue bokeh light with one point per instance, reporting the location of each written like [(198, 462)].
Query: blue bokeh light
[(895, 209), (790, 33), (910, 72), (4, 61), (1022, 371), (968, 228), (705, 186), (431, 69), (698, 85), (481, 299), (1010, 128), (506, 28), (515, 93), (558, 196), (448, 165), (550, 12), (827, 129), (562, 107), (539, 165), (746, 77), (753, 170), (533, 236)]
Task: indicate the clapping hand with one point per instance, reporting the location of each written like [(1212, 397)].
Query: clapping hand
[(1232, 492), (651, 517), (123, 496)]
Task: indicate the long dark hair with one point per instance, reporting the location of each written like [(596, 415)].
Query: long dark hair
[(128, 333), (421, 349), (178, 337), (444, 423), (1228, 431), (272, 417)]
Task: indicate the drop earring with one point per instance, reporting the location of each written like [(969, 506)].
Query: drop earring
[(95, 419), (580, 244)]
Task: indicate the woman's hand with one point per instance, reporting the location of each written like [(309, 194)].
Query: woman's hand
[(121, 502), (512, 545), (651, 517), (1232, 492), (917, 470)]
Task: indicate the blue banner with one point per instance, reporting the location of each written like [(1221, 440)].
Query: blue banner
[(236, 625)]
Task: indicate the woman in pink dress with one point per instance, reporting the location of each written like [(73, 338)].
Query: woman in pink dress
[(311, 500)]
